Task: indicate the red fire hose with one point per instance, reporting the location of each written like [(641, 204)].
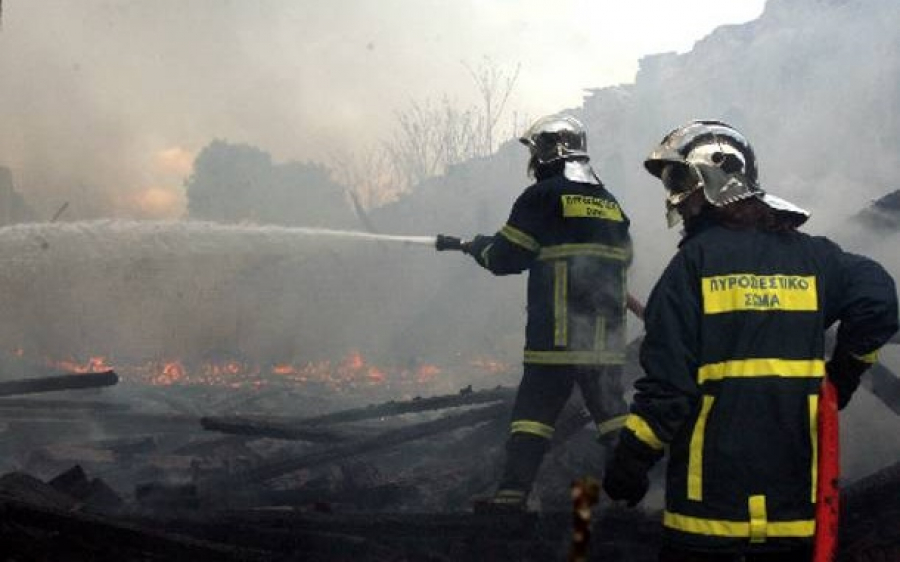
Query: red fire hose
[(827, 487)]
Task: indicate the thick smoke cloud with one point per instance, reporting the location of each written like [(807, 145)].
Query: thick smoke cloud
[(95, 92), (814, 84)]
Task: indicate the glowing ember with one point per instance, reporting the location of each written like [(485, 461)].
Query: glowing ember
[(283, 370), (376, 375), (352, 371), (92, 365), (491, 366), (171, 373), (427, 373), (353, 361)]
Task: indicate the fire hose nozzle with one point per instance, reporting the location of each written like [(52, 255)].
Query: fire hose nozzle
[(443, 243)]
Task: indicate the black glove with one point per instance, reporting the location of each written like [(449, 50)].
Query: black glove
[(626, 472), (477, 245), (443, 243), (844, 371)]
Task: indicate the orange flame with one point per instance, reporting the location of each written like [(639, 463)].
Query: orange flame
[(93, 365), (426, 373), (349, 372), (284, 370), (171, 373)]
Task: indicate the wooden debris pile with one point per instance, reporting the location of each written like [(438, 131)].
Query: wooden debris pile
[(90, 478)]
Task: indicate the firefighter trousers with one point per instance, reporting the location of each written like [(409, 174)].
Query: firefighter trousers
[(541, 396)]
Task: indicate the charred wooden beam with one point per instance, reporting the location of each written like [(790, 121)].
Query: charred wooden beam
[(60, 382), (276, 429), (309, 429), (391, 438), (465, 397)]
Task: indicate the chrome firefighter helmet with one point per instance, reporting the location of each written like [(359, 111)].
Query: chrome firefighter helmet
[(715, 157), (559, 137)]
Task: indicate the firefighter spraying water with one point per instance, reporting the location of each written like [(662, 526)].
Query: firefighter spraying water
[(569, 232)]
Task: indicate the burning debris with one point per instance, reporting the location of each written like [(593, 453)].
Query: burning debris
[(62, 382), (384, 481), (232, 455)]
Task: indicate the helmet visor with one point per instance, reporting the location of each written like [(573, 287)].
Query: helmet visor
[(680, 180)]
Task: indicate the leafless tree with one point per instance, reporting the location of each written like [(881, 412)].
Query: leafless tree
[(495, 87), (430, 136)]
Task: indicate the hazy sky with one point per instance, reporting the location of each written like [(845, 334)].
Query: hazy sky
[(110, 99)]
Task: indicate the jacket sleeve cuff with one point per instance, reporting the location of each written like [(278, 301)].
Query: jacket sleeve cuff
[(632, 446), (479, 247), (642, 431)]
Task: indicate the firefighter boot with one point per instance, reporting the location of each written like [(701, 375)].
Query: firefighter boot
[(524, 453)]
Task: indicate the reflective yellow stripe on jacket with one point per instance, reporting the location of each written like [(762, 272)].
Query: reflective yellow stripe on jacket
[(814, 441), (643, 431), (739, 529), (596, 250), (695, 456), (764, 367), (519, 238)]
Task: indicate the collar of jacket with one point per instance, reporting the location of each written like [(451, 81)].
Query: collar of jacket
[(695, 226)]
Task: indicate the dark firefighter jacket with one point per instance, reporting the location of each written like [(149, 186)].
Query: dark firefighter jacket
[(573, 238), (733, 360)]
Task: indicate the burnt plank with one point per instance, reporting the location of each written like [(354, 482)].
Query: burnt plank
[(274, 468), (273, 428), (310, 429), (465, 397), (59, 382)]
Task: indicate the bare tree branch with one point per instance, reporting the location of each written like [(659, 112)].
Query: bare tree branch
[(431, 136)]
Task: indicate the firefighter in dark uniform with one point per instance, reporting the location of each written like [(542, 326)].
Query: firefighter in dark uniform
[(572, 236), (734, 356)]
